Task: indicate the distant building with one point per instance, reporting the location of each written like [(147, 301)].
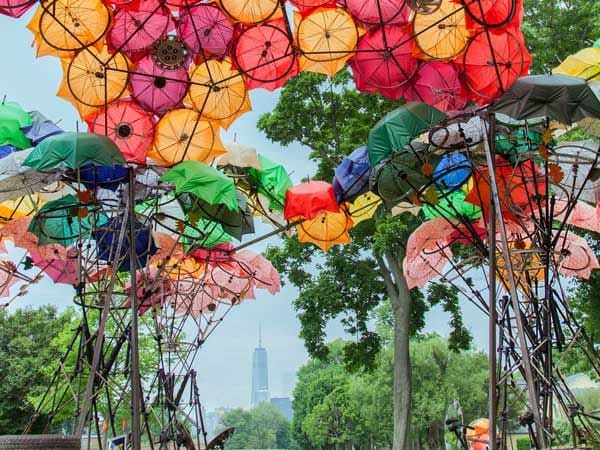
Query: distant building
[(213, 421), (284, 405), (260, 375)]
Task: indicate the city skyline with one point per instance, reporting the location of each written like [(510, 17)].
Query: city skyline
[(260, 374)]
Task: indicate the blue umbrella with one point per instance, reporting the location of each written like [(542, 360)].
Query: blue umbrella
[(352, 176), (452, 171), (100, 176), (107, 239), (38, 131), (6, 150)]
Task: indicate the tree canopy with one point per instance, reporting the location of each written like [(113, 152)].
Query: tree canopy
[(261, 427)]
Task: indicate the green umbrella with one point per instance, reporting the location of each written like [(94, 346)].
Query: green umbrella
[(205, 234), (236, 223), (11, 134), (272, 181), (205, 182), (452, 205), (596, 44), (74, 150), (558, 97), (63, 221), (400, 126), (13, 111)]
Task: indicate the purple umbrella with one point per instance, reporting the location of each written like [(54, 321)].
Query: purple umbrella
[(352, 176), (137, 30), (204, 28), (157, 89)]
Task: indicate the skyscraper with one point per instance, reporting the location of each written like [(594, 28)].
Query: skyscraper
[(260, 374)]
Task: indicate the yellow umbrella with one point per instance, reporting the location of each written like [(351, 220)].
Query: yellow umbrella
[(94, 79), (24, 206), (182, 135), (583, 64), (526, 264), (68, 25), (218, 92), (326, 38), (183, 268), (251, 11), (442, 34), (326, 230), (364, 207)]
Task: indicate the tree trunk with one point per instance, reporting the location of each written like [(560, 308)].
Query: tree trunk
[(401, 300), (435, 435)]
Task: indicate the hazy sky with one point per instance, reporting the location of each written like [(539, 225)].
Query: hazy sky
[(224, 364)]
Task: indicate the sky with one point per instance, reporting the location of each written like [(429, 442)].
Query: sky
[(224, 364)]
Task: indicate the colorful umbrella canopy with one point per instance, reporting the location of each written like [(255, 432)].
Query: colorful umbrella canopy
[(205, 182), (204, 233), (326, 230), (128, 125), (583, 64), (156, 89), (205, 29), (377, 12), (452, 171), (265, 54), (308, 200), (351, 177), (452, 205), (74, 150), (272, 181), (218, 92), (558, 97), (325, 38), (364, 207), (437, 84), (182, 135), (62, 269), (251, 11), (400, 126)]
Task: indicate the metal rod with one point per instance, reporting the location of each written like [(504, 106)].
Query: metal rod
[(136, 394)]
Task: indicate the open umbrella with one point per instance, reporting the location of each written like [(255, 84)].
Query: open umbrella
[(105, 177), (205, 182), (364, 207), (400, 126), (452, 205), (453, 170), (40, 130), (351, 177), (205, 29), (437, 84), (558, 97), (583, 64), (272, 181), (62, 269), (156, 89), (575, 256), (182, 135), (239, 156), (15, 8), (379, 11), (204, 233), (307, 200), (326, 230), (251, 11), (128, 125), (74, 150), (12, 134)]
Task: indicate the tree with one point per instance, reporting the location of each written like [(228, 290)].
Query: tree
[(332, 119), (261, 427), (25, 353), (554, 29)]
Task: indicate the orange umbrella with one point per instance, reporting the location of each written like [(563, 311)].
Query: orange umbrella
[(251, 11), (326, 230), (94, 79), (68, 25), (326, 39), (442, 34), (218, 92), (182, 135)]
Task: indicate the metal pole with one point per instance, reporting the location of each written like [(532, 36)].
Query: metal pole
[(136, 395), (492, 356)]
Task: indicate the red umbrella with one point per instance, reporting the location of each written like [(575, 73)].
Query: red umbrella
[(137, 29), (15, 8), (158, 90), (265, 54), (437, 84), (308, 200), (305, 6), (379, 12), (128, 125), (493, 61), (205, 29), (384, 61), (492, 13)]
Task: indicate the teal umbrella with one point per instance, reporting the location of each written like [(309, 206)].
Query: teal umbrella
[(399, 127), (64, 221), (74, 150), (452, 205), (205, 182), (205, 234), (272, 181)]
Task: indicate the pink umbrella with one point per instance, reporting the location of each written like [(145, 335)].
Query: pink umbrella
[(7, 276), (205, 29), (157, 89), (379, 12), (231, 278), (305, 6), (429, 236), (577, 258), (215, 255), (384, 61), (265, 53), (150, 290), (437, 84), (583, 215), (135, 30), (264, 274), (61, 269), (468, 235), (128, 125), (425, 267), (15, 8)]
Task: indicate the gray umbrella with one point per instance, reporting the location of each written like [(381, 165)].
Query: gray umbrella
[(558, 97)]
